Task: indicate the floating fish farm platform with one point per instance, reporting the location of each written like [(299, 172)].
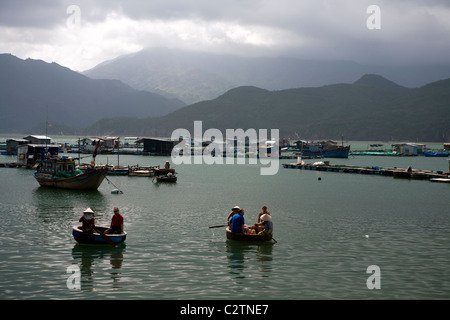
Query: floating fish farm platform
[(395, 172)]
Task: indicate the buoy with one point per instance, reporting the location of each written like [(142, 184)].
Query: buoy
[(366, 236)]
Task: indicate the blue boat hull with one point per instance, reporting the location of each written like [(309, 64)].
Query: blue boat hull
[(338, 153), (435, 154), (95, 238)]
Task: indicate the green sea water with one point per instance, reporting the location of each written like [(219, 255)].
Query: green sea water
[(328, 233)]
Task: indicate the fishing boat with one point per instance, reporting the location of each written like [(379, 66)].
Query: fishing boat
[(138, 171), (141, 173), (247, 236), (62, 173), (96, 237), (117, 170), (167, 178), (325, 149)]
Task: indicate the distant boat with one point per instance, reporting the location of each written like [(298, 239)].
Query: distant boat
[(61, 173), (443, 180), (117, 170), (325, 149), (435, 154), (138, 171), (141, 173), (164, 171), (167, 178)]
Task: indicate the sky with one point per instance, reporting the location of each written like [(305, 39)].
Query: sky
[(81, 34)]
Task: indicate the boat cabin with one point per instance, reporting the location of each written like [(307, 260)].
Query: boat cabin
[(63, 164)]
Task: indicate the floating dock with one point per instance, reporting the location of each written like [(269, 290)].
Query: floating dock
[(393, 172)]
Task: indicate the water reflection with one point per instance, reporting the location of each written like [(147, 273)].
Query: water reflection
[(55, 199), (91, 259), (251, 256)]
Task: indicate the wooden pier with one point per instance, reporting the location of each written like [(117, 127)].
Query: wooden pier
[(392, 172)]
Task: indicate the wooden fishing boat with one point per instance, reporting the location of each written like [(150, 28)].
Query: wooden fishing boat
[(168, 178), (61, 173), (141, 173), (95, 237), (138, 171), (247, 236), (117, 170)]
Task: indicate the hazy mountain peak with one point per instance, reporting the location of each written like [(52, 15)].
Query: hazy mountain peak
[(28, 87), (375, 80)]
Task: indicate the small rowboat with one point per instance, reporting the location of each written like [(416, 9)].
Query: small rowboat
[(96, 238), (247, 236)]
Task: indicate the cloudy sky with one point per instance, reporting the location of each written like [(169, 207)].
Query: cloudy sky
[(81, 34)]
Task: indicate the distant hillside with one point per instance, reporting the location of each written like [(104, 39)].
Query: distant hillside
[(27, 87), (197, 76), (372, 108)]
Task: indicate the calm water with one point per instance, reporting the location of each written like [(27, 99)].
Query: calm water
[(170, 253)]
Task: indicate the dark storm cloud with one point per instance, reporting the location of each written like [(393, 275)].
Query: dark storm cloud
[(411, 30)]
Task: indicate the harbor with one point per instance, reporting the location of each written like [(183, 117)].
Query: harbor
[(320, 227), (170, 251)]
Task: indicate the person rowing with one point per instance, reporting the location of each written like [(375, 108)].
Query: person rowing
[(234, 210), (267, 224), (88, 221), (237, 222)]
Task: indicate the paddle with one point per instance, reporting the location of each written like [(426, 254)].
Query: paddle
[(105, 237), (221, 226)]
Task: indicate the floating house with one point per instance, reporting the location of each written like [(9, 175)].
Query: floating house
[(28, 154), (12, 144), (104, 144), (408, 149), (38, 139), (158, 146)]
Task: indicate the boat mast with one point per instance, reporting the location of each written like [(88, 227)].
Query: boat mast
[(46, 128)]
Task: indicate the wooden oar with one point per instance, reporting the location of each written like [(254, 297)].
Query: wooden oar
[(106, 238), (221, 226)]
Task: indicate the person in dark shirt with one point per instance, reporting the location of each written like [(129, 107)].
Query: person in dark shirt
[(88, 221)]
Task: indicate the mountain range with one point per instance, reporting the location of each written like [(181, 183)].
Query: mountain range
[(197, 76), (371, 108), (28, 88)]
